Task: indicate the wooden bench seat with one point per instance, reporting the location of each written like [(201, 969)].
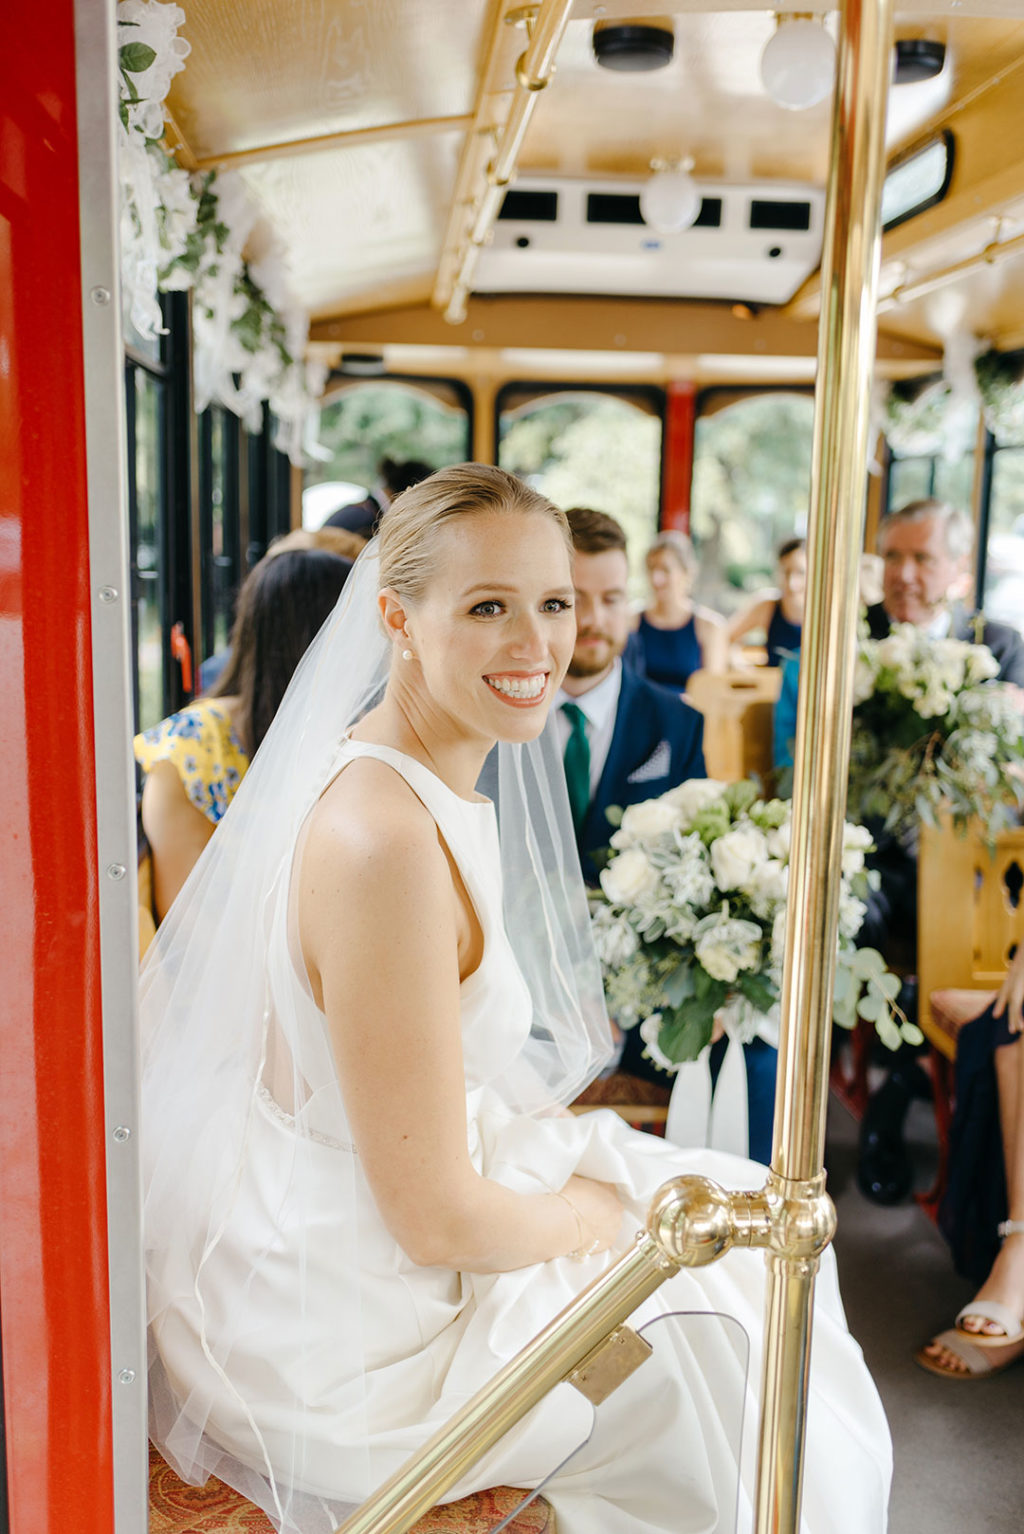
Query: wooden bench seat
[(177, 1508)]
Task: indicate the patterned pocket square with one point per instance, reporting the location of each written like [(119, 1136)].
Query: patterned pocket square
[(656, 766)]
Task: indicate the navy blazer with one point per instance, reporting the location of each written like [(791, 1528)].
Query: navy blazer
[(1005, 643), (657, 743)]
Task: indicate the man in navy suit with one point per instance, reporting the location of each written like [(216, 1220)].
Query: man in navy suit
[(624, 738)]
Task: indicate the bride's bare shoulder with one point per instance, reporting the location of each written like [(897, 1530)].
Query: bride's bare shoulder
[(368, 820)]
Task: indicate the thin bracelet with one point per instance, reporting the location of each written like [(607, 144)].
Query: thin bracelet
[(580, 1251)]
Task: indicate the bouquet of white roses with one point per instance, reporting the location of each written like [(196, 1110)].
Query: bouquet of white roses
[(692, 922), (933, 730)]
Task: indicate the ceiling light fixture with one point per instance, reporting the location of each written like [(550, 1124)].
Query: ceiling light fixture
[(636, 46), (670, 201), (798, 64)]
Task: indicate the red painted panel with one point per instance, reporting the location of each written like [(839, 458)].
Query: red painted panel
[(53, 1282), (680, 417)]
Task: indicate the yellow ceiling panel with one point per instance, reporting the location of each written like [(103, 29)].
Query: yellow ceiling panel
[(263, 72), (354, 220)]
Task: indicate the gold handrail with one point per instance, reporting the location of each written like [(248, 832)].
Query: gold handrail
[(692, 1222), (546, 24), (846, 348)]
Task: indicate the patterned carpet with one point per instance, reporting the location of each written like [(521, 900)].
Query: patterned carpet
[(175, 1508)]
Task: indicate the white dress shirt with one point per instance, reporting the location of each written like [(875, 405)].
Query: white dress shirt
[(599, 707)]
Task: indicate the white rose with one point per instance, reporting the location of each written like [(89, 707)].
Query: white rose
[(767, 886), (735, 855), (980, 665), (778, 945), (727, 946), (779, 841), (863, 680), (651, 818), (628, 876), (693, 796)]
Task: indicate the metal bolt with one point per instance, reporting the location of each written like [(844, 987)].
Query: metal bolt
[(127, 1376), (116, 871), (122, 1133), (108, 594), (100, 296)]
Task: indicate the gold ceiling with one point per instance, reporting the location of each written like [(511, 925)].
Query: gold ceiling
[(350, 119)]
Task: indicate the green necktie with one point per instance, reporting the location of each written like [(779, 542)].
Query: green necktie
[(577, 763)]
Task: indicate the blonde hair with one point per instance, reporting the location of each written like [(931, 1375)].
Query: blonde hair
[(408, 529), (329, 540), (680, 546)]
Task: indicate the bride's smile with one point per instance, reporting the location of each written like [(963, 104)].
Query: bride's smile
[(492, 632)]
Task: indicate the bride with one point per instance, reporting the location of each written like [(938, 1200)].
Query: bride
[(360, 1021)]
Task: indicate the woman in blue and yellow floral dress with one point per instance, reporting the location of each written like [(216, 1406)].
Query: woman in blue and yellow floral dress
[(194, 761)]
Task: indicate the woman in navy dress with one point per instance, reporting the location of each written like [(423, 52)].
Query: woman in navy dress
[(675, 636), (778, 614)]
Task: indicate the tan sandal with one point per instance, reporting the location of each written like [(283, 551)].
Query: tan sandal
[(978, 1365), (991, 1310)]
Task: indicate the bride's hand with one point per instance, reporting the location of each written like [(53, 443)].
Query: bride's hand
[(599, 1209)]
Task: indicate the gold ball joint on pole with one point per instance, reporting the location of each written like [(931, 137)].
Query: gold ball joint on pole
[(695, 1221)]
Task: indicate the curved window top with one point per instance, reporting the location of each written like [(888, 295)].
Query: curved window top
[(917, 181)]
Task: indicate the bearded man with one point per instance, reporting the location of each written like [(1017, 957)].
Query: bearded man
[(624, 739)]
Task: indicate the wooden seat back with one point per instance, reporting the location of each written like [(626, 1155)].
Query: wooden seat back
[(737, 707), (970, 915)]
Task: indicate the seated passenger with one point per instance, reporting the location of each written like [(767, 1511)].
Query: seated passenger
[(329, 540), (779, 614), (362, 516), (677, 637), (983, 1210), (623, 738), (195, 760)]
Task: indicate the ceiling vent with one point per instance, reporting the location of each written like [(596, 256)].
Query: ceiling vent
[(755, 242)]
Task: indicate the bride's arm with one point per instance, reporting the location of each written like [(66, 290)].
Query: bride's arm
[(379, 930)]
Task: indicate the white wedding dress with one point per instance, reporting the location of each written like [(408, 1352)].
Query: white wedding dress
[(280, 1401)]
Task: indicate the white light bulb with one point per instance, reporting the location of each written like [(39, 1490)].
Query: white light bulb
[(670, 201), (798, 64)]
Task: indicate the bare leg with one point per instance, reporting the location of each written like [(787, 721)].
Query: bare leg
[(1005, 1282)]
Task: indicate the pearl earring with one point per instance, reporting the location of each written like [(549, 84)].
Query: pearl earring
[(407, 655)]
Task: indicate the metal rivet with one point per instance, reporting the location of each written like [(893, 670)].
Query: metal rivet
[(116, 871), (100, 296), (122, 1133), (108, 594), (127, 1376)]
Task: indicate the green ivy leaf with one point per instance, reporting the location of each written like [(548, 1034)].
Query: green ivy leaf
[(136, 57)]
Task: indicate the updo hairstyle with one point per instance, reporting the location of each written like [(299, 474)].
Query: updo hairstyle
[(681, 548), (408, 541)]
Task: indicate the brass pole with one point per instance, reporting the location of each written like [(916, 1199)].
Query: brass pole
[(846, 348)]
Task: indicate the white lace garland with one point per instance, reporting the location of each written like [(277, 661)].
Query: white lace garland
[(181, 231)]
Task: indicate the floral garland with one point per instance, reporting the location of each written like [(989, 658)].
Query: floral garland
[(1001, 384), (180, 231)]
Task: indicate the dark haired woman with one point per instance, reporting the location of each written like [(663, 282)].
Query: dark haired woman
[(779, 614), (195, 760)]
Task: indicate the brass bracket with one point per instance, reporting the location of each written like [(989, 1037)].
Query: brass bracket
[(695, 1221), (605, 1367), (522, 15)]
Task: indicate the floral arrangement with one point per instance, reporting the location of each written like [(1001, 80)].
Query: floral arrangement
[(931, 731), (180, 231), (690, 923)]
